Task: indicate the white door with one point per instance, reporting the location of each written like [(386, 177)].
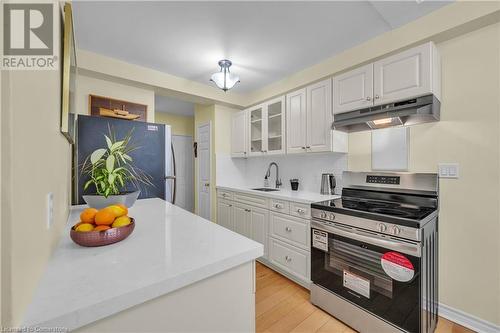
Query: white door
[(239, 134), (183, 151), (296, 121), (319, 116), (204, 192), (353, 90), (403, 75), (259, 220), (275, 124), (224, 214), (240, 219)]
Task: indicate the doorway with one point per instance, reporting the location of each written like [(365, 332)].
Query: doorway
[(204, 135)]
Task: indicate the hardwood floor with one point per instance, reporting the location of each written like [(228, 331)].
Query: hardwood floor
[(283, 306)]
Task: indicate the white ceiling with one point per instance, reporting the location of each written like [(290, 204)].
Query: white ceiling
[(172, 105), (266, 41)]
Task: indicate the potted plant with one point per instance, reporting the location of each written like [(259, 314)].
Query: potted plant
[(109, 170)]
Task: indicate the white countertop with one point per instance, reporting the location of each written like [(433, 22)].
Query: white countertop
[(283, 194), (170, 248)]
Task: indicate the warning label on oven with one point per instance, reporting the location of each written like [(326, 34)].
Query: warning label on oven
[(320, 240), (357, 283), (397, 266)]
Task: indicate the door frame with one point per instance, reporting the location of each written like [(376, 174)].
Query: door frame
[(197, 168)]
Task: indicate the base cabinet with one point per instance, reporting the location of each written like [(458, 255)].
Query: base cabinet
[(283, 227)]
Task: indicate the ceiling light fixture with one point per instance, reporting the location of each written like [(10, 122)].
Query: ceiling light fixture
[(224, 79)]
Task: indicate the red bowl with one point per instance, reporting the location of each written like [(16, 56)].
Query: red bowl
[(101, 238)]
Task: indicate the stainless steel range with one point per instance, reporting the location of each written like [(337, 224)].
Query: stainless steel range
[(374, 252)]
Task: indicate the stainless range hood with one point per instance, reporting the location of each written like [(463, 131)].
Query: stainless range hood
[(408, 112)]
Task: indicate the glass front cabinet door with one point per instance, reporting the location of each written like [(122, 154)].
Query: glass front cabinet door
[(267, 123)]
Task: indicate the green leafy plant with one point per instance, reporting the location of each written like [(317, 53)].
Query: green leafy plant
[(111, 168)]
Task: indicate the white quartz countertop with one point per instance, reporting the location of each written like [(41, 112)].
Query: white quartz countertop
[(283, 194), (170, 248)]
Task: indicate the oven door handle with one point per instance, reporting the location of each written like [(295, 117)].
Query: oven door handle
[(409, 248)]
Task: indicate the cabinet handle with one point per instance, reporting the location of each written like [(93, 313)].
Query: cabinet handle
[(247, 210), (224, 195), (288, 259), (377, 96), (368, 98), (288, 229), (303, 147), (300, 211), (230, 205), (308, 147), (278, 206)]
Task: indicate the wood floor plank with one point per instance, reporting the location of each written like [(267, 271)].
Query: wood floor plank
[(283, 306), (312, 323)]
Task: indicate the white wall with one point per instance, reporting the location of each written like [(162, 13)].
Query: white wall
[(307, 168), (88, 85)]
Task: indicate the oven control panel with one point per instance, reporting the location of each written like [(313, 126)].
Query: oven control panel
[(389, 180)]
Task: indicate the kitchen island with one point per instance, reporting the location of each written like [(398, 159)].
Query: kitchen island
[(175, 272)]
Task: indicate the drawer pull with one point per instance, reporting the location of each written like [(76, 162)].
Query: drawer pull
[(279, 206), (288, 259), (300, 211), (288, 229), (224, 195)]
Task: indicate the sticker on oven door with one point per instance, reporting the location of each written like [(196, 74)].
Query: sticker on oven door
[(357, 283), (397, 266), (320, 240)]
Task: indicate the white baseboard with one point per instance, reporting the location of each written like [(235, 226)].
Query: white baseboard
[(467, 320)]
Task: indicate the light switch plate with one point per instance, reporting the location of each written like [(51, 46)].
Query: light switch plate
[(448, 170)]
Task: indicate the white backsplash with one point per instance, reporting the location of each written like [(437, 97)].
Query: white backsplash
[(307, 168)]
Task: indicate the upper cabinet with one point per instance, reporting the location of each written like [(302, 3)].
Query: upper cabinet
[(354, 89), (411, 73), (267, 128), (309, 120), (239, 134)]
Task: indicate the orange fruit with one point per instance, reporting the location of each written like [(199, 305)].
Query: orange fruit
[(102, 228), (121, 222), (88, 215), (104, 217), (85, 227), (118, 210)]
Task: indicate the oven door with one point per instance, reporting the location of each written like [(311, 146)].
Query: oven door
[(376, 272)]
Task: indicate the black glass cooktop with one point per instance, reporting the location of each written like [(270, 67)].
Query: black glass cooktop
[(386, 208)]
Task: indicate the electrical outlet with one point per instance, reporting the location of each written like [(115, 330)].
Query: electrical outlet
[(448, 170), (50, 209)]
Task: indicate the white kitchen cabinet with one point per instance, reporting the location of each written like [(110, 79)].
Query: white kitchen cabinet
[(267, 128), (412, 73), (309, 120), (241, 219), (259, 221), (408, 74), (319, 116), (225, 214), (239, 128), (296, 121), (354, 89)]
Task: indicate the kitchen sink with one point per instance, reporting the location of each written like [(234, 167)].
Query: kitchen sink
[(266, 189)]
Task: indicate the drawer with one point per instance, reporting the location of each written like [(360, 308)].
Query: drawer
[(290, 229), (291, 259), (300, 210), (279, 206), (250, 200), (223, 194)]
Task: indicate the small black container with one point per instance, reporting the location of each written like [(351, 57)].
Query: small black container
[(295, 184)]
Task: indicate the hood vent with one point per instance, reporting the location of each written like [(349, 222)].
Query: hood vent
[(408, 112)]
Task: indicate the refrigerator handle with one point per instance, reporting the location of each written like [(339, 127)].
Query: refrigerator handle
[(175, 173)]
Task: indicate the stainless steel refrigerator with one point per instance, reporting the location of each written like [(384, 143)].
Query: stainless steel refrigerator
[(154, 156)]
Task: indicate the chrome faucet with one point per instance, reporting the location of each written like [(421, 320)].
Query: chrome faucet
[(268, 174)]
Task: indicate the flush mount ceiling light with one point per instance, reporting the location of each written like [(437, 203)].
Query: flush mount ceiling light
[(225, 79)]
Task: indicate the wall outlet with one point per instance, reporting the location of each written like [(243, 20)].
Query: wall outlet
[(448, 170), (50, 210)]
